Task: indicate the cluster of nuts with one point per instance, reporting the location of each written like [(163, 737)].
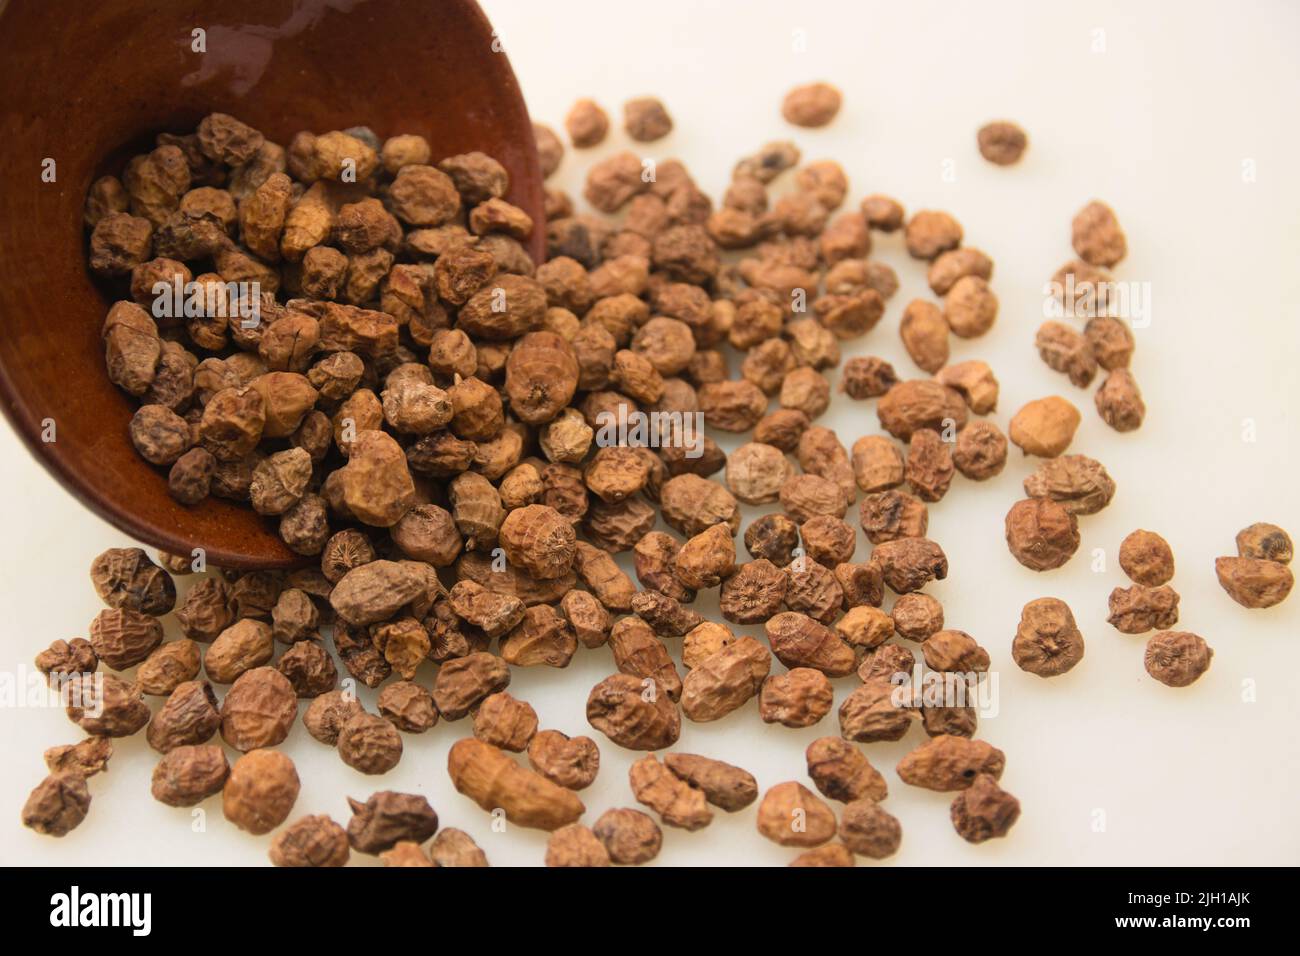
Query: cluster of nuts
[(418, 405)]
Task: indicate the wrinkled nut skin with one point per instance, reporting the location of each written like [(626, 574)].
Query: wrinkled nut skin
[(126, 578), (869, 830), (259, 710), (570, 762), (239, 648), (494, 781), (540, 540), (312, 841), (455, 848), (792, 815), (1265, 541), (946, 763), (58, 804), (634, 712), (727, 787), (1146, 558), (1254, 582), (630, 836), (1177, 658), (909, 564), (1079, 484), (676, 801), (576, 845), (370, 744), (799, 641), (876, 711), (1041, 534), (189, 774), (799, 698), (1047, 641), (723, 682), (189, 716), (984, 811), (103, 705), (830, 855), (327, 714), (1138, 609), (260, 792), (955, 652), (389, 818), (1096, 235), (505, 722), (87, 758), (123, 638), (841, 771), (1001, 142)]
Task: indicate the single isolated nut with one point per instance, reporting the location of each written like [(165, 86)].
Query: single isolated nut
[(1002, 142), (869, 830), (1146, 558), (811, 105), (1047, 642), (260, 791), (1177, 658), (792, 815), (1254, 582), (1266, 541), (1041, 534), (984, 811), (1045, 427)]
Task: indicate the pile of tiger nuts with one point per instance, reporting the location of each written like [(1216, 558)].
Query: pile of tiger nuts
[(350, 337)]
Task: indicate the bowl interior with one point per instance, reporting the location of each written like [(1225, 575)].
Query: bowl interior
[(125, 70)]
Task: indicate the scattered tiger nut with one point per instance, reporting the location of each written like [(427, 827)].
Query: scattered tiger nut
[(1047, 641)]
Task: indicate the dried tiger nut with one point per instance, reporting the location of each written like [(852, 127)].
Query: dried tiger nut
[(756, 472), (637, 651), (587, 617), (126, 578), (806, 390), (407, 854), (629, 836), (169, 666), (867, 377), (570, 762), (159, 434), (828, 540), (259, 710), (492, 613), (869, 830), (539, 540), (1147, 558), (280, 480), (1119, 401), (980, 451), (1065, 350), (706, 558), (974, 381), (327, 714), (725, 786), (1177, 658), (924, 331), (765, 366), (541, 377), (1041, 533), (692, 504), (375, 591), (754, 593), (876, 711), (917, 616), (955, 652), (984, 811), (726, 680), (865, 626), (909, 564), (260, 791), (956, 264), (598, 571), (634, 713), (1080, 484), (312, 841), (462, 683), (189, 774), (616, 473), (970, 307), (930, 233), (575, 845), (799, 641), (122, 638), (799, 698), (828, 855), (886, 663), (772, 538), (232, 423), (566, 438), (841, 772), (344, 551), (877, 464), (132, 348), (732, 406), (792, 815), (189, 716), (1047, 642), (494, 781), (403, 642), (1263, 541), (806, 496), (1138, 609), (241, 647), (1096, 235), (455, 848), (1110, 340), (920, 403), (666, 616), (370, 744), (505, 722), (813, 590), (947, 763), (119, 242), (309, 669), (929, 467), (861, 584), (542, 638), (677, 802), (205, 612), (476, 508), (376, 483)]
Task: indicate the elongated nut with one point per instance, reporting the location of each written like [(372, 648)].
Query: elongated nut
[(494, 781)]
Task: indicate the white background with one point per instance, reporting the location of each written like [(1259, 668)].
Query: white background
[(1154, 108)]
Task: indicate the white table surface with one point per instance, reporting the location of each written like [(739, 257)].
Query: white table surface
[(1156, 108)]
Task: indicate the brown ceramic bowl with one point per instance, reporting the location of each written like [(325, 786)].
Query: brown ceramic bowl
[(90, 84)]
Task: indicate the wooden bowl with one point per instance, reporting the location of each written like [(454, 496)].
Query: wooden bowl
[(89, 84)]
